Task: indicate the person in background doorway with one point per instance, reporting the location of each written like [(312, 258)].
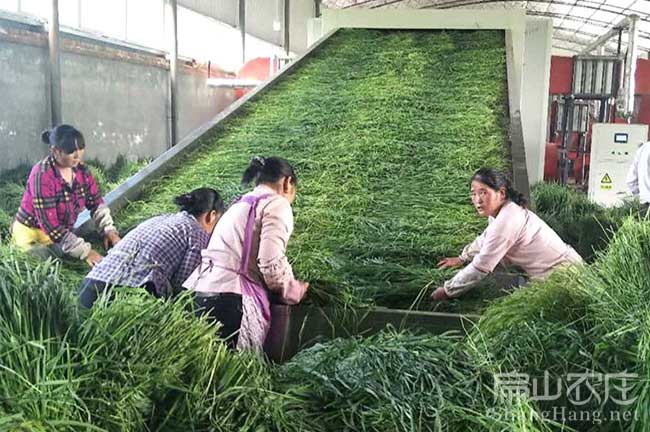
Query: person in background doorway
[(514, 236), (245, 260), (638, 177), (161, 252), (59, 188)]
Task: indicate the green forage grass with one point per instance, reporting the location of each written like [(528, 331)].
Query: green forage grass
[(581, 223), (138, 364), (385, 128), (401, 382)]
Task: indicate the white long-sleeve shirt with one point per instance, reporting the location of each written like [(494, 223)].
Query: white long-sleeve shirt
[(638, 177), (516, 236)]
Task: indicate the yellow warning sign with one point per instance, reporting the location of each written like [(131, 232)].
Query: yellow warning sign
[(606, 179)]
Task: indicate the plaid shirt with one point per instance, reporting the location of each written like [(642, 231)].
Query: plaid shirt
[(163, 250), (52, 204)]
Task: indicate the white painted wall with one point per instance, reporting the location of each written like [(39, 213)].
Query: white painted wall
[(535, 88), (260, 15)]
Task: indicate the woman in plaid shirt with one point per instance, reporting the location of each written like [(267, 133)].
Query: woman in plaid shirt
[(161, 252), (59, 188)]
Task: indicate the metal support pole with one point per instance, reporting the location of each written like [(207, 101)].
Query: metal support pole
[(242, 28), (567, 120), (287, 45), (604, 38), (126, 19), (317, 8), (630, 65), (603, 110), (55, 65), (171, 22)]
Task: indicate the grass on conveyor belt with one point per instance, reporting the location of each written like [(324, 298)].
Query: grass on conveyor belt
[(385, 128)]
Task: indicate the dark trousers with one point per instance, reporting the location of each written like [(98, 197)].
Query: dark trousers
[(91, 289), (643, 210), (225, 308)]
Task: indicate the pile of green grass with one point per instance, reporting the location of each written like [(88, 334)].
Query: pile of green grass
[(108, 178), (138, 364), (581, 223), (385, 129), (401, 382), (619, 286)]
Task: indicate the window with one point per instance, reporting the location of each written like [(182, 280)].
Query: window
[(9, 5)]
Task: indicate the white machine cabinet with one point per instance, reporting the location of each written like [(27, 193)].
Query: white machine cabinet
[(613, 147)]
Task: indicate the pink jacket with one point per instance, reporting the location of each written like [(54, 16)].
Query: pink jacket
[(269, 265), (517, 236)]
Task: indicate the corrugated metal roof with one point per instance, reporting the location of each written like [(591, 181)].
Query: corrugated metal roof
[(576, 22)]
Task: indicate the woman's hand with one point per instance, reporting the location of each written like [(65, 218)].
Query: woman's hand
[(451, 262), (93, 258), (111, 239), (439, 294)]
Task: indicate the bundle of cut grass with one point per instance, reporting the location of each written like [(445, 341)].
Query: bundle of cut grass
[(108, 178), (591, 319), (384, 145), (152, 365), (618, 284), (581, 223), (33, 301), (541, 331), (122, 169), (538, 328), (402, 382), (10, 196), (38, 317), (138, 364), (100, 177)]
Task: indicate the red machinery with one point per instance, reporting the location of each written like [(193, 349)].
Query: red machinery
[(259, 69), (567, 153)]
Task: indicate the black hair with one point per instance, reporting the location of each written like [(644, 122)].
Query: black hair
[(268, 170), (65, 138), (496, 180), (199, 201)]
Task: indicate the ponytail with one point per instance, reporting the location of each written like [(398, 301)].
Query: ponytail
[(496, 180), (65, 138), (516, 197), (268, 170), (199, 201)]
